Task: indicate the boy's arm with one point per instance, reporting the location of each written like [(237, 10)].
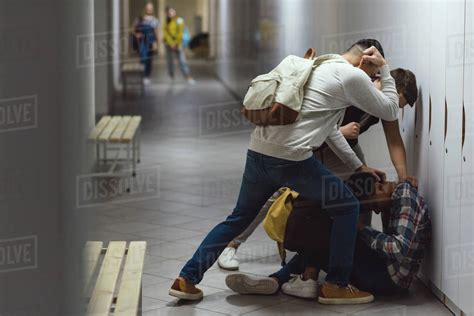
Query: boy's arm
[(397, 245), (396, 148), (361, 92), (338, 144)]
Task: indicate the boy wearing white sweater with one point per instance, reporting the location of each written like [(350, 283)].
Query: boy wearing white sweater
[(283, 156)]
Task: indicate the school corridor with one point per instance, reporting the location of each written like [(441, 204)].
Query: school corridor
[(123, 145)]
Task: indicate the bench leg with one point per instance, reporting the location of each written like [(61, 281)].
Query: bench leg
[(97, 151), (138, 145), (134, 156), (124, 88), (105, 153)]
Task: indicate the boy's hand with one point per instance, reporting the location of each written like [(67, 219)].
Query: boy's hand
[(378, 174), (378, 84), (351, 130), (412, 180), (372, 55)]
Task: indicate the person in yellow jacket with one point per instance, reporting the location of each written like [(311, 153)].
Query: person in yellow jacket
[(173, 38)]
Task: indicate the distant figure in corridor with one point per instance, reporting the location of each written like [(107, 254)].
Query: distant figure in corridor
[(146, 30), (173, 38)]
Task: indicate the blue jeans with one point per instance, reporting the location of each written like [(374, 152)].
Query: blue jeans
[(369, 270), (179, 54), (264, 175), (148, 62)]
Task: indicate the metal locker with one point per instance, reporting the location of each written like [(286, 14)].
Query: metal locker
[(422, 70), (422, 56), (409, 21), (436, 133), (465, 253), (452, 135)]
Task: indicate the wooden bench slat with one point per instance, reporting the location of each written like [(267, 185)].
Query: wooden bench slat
[(133, 67), (128, 299), (91, 256), (131, 129), (120, 129), (109, 129), (104, 121), (103, 293)]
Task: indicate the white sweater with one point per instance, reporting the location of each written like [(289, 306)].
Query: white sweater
[(330, 89)]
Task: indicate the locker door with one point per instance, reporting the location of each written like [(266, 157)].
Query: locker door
[(466, 244), (422, 53), (411, 21), (436, 148), (453, 146)]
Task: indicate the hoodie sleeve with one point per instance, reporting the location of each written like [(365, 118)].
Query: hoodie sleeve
[(338, 144), (361, 92)]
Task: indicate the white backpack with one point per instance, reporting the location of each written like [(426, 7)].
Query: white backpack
[(276, 98)]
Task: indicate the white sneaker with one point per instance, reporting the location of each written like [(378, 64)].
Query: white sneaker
[(146, 81), (228, 259), (298, 287), (191, 81), (247, 284)]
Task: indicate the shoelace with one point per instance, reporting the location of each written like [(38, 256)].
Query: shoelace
[(352, 289), (293, 280)]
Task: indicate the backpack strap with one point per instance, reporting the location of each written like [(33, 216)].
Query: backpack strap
[(310, 53)]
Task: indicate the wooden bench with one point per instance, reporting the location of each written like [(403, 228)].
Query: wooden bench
[(118, 130), (113, 286), (133, 75)]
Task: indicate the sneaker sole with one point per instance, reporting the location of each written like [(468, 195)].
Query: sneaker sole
[(185, 296), (227, 268), (345, 301), (245, 284), (304, 295)]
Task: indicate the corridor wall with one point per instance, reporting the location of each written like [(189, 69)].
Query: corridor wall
[(465, 189), (434, 39), (43, 150)]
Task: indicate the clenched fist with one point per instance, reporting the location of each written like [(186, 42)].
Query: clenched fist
[(351, 130)]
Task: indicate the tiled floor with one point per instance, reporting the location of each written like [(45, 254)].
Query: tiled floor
[(199, 182)]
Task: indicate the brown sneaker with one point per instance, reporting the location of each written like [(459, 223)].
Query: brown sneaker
[(331, 294), (184, 290)]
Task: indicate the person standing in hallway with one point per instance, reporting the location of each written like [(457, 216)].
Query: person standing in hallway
[(146, 32), (173, 39), (282, 156)]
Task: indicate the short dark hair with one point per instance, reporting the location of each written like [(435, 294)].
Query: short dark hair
[(362, 185), (406, 84), (367, 43)]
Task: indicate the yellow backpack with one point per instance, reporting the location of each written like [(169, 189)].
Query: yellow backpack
[(277, 216)]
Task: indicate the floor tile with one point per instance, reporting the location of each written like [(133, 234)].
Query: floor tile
[(181, 311), (171, 250), (168, 233), (235, 304), (290, 309)]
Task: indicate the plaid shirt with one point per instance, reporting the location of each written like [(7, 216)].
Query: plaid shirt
[(405, 236)]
